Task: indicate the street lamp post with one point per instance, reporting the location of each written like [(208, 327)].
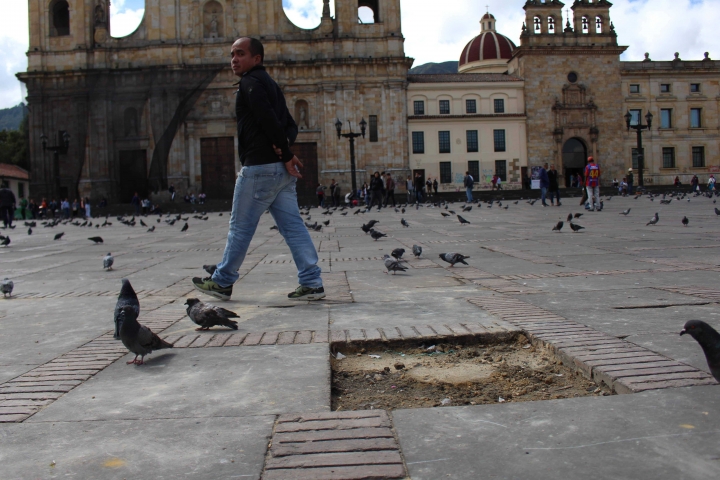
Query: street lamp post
[(351, 136), (60, 149), (639, 128)]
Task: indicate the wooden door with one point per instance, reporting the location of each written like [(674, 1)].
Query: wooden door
[(133, 175), (306, 186), (217, 157)]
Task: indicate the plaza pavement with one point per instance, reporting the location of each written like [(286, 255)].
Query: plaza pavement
[(256, 403)]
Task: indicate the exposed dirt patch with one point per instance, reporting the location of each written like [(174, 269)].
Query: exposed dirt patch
[(453, 375)]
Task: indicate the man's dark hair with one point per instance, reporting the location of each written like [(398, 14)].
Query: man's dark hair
[(256, 48)]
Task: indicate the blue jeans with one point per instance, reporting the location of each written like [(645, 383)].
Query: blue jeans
[(259, 188), (468, 192), (543, 194)]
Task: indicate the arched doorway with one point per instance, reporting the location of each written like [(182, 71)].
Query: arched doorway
[(574, 154)]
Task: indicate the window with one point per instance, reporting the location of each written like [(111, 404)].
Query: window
[(636, 115), (470, 106), (668, 157), (694, 88), (60, 15), (695, 117), (537, 25), (21, 186), (501, 169), (474, 169), (635, 158), (444, 142), (664, 88), (499, 140), (419, 107), (698, 157), (472, 140), (418, 142), (444, 107), (634, 88), (445, 172), (585, 25), (373, 128), (666, 118), (499, 105), (572, 77), (598, 25)]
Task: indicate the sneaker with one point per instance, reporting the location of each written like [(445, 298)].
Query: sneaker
[(307, 293), (207, 286)]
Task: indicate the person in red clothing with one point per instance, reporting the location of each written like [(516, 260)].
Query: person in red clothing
[(592, 184)]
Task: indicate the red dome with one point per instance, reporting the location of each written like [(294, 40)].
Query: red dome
[(489, 45)]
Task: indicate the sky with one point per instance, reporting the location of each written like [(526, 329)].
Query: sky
[(432, 34)]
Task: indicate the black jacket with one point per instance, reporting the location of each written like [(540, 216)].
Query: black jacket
[(376, 184), (553, 180), (7, 197), (263, 120)]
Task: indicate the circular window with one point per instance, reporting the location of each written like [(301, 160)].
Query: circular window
[(572, 77)]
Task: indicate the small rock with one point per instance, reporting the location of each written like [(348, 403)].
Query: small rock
[(445, 402), (378, 377), (386, 369), (399, 366), (501, 399)]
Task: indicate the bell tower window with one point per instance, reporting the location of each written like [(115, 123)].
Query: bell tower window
[(551, 25), (368, 11), (585, 25), (59, 18), (598, 25), (537, 25)]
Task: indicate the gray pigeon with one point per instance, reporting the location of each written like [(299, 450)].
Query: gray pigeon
[(654, 220), (398, 253), (139, 339), (108, 261), (393, 265), (709, 340), (6, 287), (127, 297), (453, 258), (404, 222), (376, 235), (625, 212), (417, 251), (206, 315)]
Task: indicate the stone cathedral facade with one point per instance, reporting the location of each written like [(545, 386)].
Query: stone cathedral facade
[(157, 107)]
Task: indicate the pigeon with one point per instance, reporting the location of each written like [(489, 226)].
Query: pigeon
[(206, 315), (376, 235), (558, 226), (368, 226), (654, 220), (126, 298), (398, 253), (625, 212), (462, 220), (467, 209), (356, 211), (717, 212), (444, 214), (685, 221), (709, 340), (570, 217), (5, 242), (142, 223), (578, 215), (139, 339), (417, 251), (404, 223), (393, 265), (151, 229), (326, 222), (96, 239), (108, 261), (29, 231), (453, 258), (210, 269), (6, 287), (576, 228), (185, 227)]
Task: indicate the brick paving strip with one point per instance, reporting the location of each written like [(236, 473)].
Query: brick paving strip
[(357, 445), (25, 395), (623, 366), (701, 292)]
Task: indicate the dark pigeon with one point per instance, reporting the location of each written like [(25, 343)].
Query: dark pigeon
[(398, 253), (127, 297), (444, 214), (404, 223), (96, 239), (685, 221), (417, 251), (206, 315), (558, 226), (453, 258), (570, 217), (137, 338), (5, 242), (185, 227), (575, 227), (462, 220), (376, 235), (709, 340), (6, 287)]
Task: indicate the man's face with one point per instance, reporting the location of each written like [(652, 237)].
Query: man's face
[(241, 58), (552, 167)]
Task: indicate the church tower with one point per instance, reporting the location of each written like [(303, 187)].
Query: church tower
[(572, 75)]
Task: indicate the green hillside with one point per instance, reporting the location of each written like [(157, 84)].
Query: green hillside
[(435, 68), (10, 118)]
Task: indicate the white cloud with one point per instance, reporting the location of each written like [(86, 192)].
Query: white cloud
[(433, 32)]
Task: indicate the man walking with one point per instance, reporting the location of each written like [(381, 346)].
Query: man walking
[(544, 183), (389, 190), (7, 206), (267, 180), (410, 189), (376, 191), (630, 180), (468, 183), (592, 184), (554, 187), (419, 185)]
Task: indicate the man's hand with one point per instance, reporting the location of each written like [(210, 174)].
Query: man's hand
[(293, 167), (278, 151)]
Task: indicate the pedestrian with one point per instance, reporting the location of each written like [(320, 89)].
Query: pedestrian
[(622, 189), (145, 206), (553, 185), (376, 191), (7, 206), (366, 194), (419, 185), (493, 181), (428, 186), (435, 185), (75, 208), (87, 208), (267, 180), (410, 187), (65, 207), (630, 180), (23, 207), (171, 190), (544, 183), (468, 183), (43, 209), (592, 184), (677, 181), (615, 183), (498, 184), (320, 192), (136, 203), (332, 192), (389, 190), (573, 179), (33, 207), (711, 183), (695, 182)]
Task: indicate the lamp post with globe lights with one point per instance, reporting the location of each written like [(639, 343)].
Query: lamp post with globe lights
[(639, 128), (351, 136)]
